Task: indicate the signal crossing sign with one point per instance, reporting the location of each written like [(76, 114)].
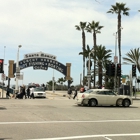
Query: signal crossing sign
[(133, 70)]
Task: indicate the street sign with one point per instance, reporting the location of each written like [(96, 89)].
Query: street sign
[(17, 69), (3, 77), (88, 76), (115, 59), (20, 77)]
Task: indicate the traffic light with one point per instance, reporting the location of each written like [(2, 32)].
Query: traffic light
[(112, 69), (108, 69), (1, 65), (133, 70), (119, 70)]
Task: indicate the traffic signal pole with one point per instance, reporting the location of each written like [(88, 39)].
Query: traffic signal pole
[(115, 89), (115, 61)]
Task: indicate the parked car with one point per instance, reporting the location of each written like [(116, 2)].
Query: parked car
[(39, 92), (95, 97)]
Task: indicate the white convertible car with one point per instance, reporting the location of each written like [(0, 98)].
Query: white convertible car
[(94, 97)]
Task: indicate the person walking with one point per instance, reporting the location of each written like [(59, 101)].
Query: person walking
[(28, 92), (24, 92), (7, 92), (82, 89), (134, 91), (32, 92), (75, 93), (69, 92)]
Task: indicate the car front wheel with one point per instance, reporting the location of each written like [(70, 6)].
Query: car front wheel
[(126, 103), (119, 102), (92, 102)]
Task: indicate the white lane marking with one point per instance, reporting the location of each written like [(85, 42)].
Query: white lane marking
[(107, 138), (88, 136), (101, 121)]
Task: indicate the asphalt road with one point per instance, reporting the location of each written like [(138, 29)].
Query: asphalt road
[(57, 118)]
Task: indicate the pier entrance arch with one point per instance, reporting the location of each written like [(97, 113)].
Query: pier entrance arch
[(38, 61)]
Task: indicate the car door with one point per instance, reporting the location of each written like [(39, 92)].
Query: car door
[(111, 98), (101, 97)]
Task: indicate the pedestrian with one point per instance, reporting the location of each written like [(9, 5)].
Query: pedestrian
[(28, 92), (24, 92), (19, 93), (134, 91), (7, 92), (75, 93), (32, 92), (86, 87), (69, 92), (82, 89), (99, 87)]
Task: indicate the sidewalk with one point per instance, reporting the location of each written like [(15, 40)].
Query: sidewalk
[(59, 93), (2, 94)]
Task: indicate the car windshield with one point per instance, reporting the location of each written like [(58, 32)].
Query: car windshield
[(88, 91), (39, 89)]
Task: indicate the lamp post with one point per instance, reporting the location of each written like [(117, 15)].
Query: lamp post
[(89, 71), (17, 68), (53, 80), (3, 72), (22, 77), (116, 57)]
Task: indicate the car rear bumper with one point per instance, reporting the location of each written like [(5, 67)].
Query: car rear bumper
[(82, 101)]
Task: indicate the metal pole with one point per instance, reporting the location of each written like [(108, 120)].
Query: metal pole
[(131, 83), (80, 79), (22, 77), (115, 62), (16, 69), (53, 82), (17, 66), (3, 72)]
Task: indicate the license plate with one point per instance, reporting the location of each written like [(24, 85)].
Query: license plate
[(40, 93)]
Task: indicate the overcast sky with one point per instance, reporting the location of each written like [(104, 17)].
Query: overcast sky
[(49, 26)]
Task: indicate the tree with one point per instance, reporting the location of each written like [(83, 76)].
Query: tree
[(102, 57), (61, 81), (94, 28), (133, 57), (82, 27), (50, 83), (86, 55), (119, 9)]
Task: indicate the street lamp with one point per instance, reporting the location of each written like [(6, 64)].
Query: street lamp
[(53, 80), (22, 77), (3, 74), (89, 71), (116, 57), (17, 68)]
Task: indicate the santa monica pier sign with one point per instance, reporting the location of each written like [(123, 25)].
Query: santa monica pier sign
[(42, 61)]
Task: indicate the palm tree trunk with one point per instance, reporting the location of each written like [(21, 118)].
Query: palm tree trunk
[(94, 39), (119, 42), (83, 42), (100, 74)]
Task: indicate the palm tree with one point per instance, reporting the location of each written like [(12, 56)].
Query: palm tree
[(119, 9), (61, 81), (102, 57), (82, 27), (133, 57), (94, 28), (86, 55), (50, 84)]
